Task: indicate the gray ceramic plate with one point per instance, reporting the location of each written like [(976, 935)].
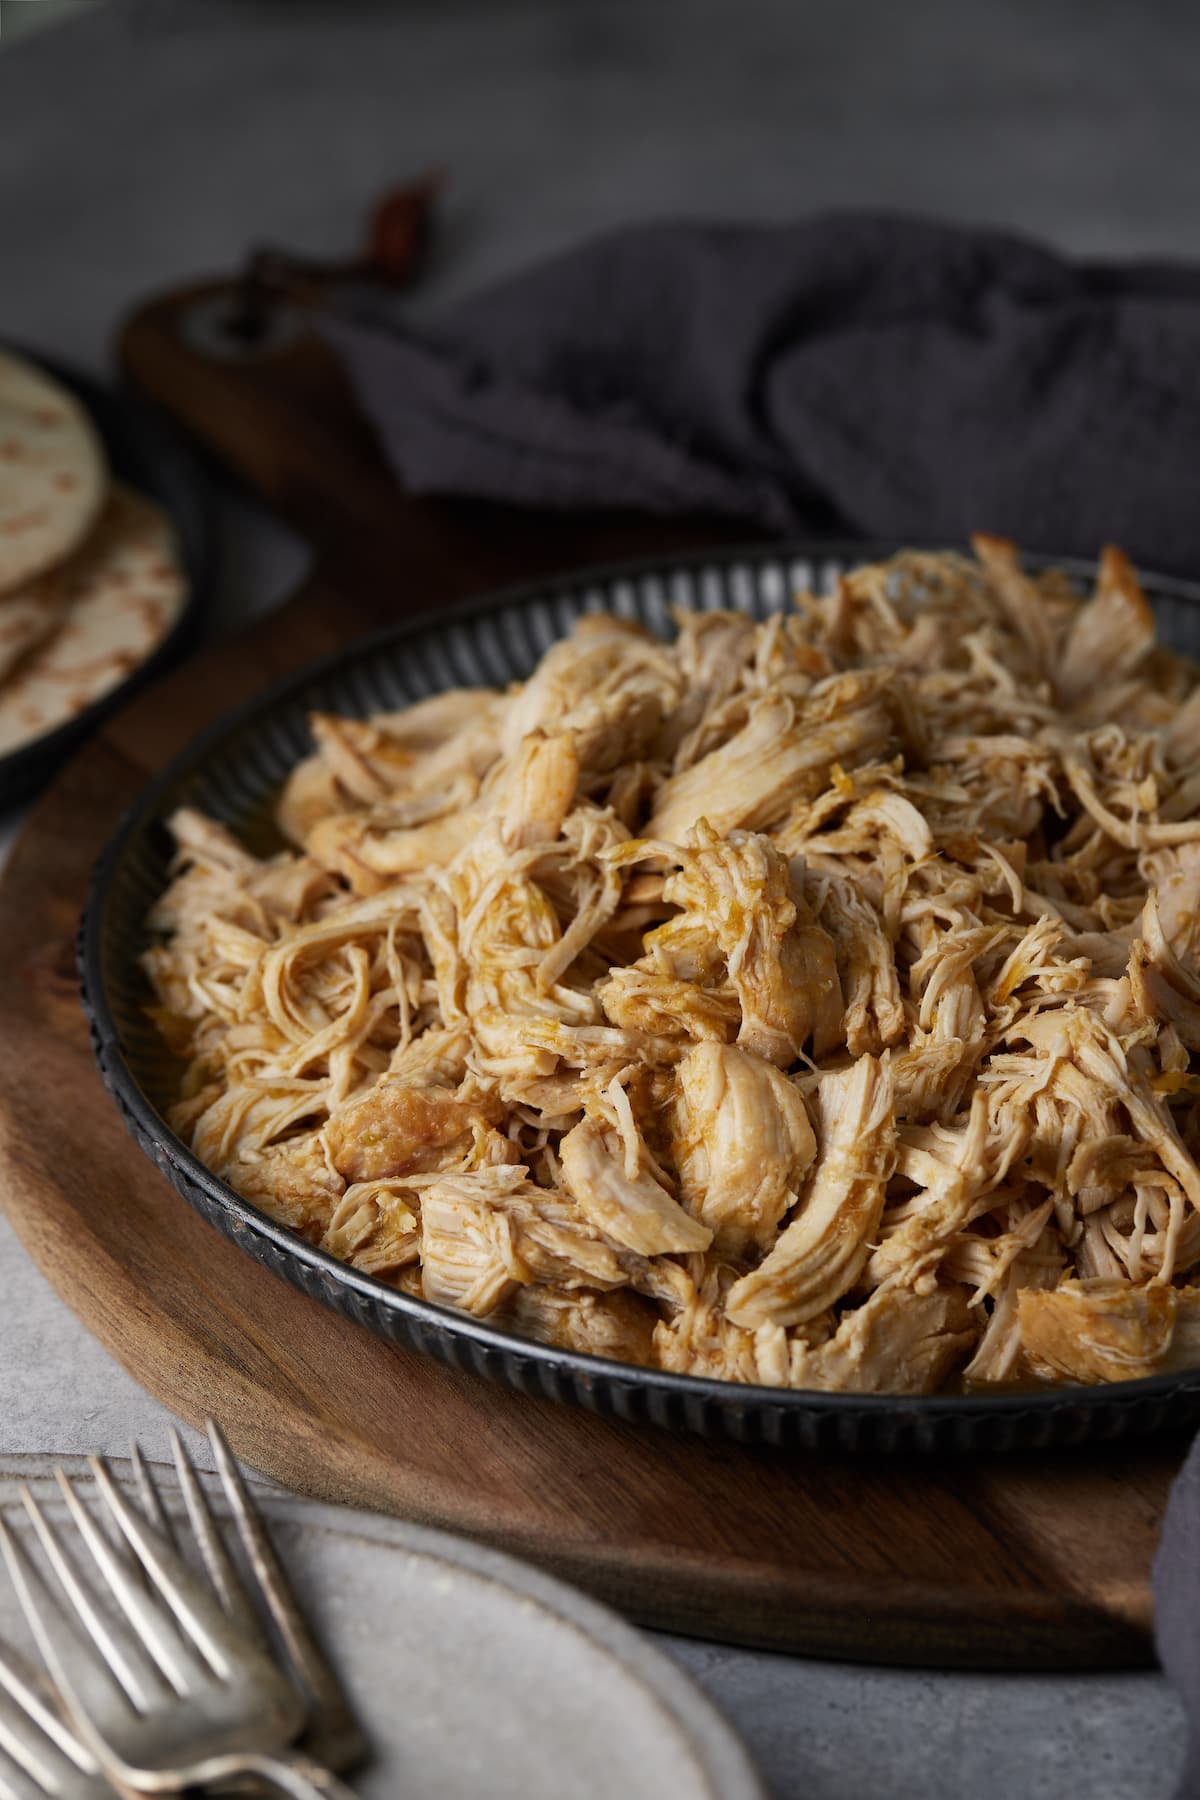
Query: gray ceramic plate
[(235, 771), (471, 1673)]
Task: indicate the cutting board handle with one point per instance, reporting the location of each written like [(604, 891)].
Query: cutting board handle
[(281, 417), (278, 413)]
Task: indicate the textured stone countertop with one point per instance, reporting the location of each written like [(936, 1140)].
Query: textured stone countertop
[(154, 139)]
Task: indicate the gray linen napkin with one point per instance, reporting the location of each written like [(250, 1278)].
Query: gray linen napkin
[(876, 375), (1177, 1608)]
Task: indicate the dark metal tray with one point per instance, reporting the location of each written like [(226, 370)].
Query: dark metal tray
[(234, 772)]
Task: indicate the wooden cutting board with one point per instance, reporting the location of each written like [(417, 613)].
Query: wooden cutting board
[(1024, 1561)]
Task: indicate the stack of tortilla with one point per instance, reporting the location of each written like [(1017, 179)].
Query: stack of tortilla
[(90, 577)]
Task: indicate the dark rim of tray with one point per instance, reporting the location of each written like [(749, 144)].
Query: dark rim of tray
[(235, 767), (144, 451)]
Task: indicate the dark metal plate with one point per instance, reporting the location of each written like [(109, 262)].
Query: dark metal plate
[(234, 772)]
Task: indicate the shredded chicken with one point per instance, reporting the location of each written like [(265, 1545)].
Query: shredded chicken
[(813, 1003), (742, 1143), (821, 1253)]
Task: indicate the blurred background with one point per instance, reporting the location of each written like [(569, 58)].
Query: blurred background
[(145, 143), (19, 17), (211, 122)]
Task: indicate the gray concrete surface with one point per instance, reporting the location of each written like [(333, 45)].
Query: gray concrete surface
[(152, 139), (19, 17)]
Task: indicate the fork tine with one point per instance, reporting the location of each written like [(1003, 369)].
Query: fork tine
[(81, 1675), (176, 1661), (41, 1619), (10, 1774), (17, 1784), (226, 1582), (35, 1762), (334, 1735), (24, 1744), (65, 1784), (195, 1608), (30, 1764), (152, 1503), (14, 1684)]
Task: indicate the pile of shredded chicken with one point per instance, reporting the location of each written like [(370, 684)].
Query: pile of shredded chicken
[(810, 1003)]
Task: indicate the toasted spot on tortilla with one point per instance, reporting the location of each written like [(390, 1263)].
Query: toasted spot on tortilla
[(55, 475), (103, 631)]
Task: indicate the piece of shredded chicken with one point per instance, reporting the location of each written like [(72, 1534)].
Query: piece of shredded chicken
[(813, 1003)]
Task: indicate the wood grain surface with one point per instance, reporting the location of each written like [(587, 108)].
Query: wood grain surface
[(1025, 1561)]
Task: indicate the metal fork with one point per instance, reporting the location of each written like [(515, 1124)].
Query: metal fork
[(179, 1697), (332, 1736), (38, 1755)]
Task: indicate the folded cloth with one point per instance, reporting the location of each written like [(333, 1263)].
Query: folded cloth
[(1177, 1609), (874, 375)]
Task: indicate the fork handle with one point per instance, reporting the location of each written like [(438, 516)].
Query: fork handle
[(293, 1776)]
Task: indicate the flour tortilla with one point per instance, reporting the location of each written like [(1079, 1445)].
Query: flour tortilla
[(31, 613), (52, 473), (123, 591), (29, 616)]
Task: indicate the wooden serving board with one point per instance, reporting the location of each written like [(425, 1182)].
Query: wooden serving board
[(1022, 1561)]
